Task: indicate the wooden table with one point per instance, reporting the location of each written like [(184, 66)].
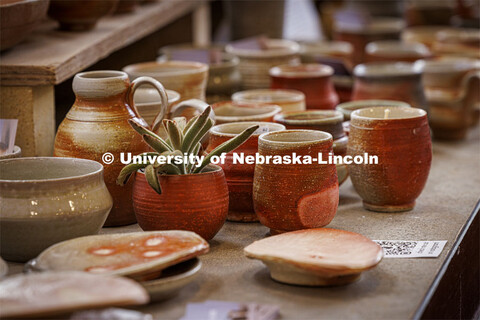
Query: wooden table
[(30, 70)]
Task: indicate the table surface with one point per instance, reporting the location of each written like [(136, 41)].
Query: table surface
[(50, 56), (394, 289)]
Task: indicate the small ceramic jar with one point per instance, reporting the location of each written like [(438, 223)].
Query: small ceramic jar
[(240, 175), (399, 81), (348, 107), (48, 200), (458, 42), (322, 120), (294, 196), (313, 79), (255, 63), (400, 138), (392, 50), (149, 102), (288, 100), (229, 111)]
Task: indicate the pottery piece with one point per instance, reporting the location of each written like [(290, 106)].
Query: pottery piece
[(126, 6), (47, 200), (348, 107), (451, 87), (3, 268), (400, 138), (240, 175), (19, 19), (399, 81), (17, 153), (256, 62), (336, 54), (393, 50), (419, 12), (137, 255), (288, 100), (194, 202), (48, 294), (359, 35), (316, 257), (313, 79), (149, 102), (97, 123), (422, 34), (289, 197), (322, 120), (80, 15), (229, 111), (172, 280), (458, 42)]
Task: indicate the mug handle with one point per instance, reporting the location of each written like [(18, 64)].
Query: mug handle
[(163, 98), (196, 104)]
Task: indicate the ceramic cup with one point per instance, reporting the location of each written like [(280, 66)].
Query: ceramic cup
[(400, 138), (288, 100), (348, 107), (322, 120), (240, 175), (399, 81), (47, 200), (149, 102), (229, 111), (422, 34), (458, 42), (393, 50), (289, 197), (313, 79)]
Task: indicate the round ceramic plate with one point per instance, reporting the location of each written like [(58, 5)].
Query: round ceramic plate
[(172, 280)]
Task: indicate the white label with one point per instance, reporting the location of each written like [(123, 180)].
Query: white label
[(411, 249)]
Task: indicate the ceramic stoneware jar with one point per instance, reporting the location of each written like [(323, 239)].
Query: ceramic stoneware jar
[(313, 79), (391, 81), (240, 175), (452, 91), (294, 196), (400, 138), (322, 120), (46, 200), (229, 111), (193, 202), (288, 100), (97, 124), (348, 107), (255, 62), (392, 50)]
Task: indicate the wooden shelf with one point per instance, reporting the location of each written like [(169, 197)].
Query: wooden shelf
[(50, 56)]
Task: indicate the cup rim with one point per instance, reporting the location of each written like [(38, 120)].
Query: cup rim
[(333, 116), (412, 113), (322, 136), (245, 96), (217, 129), (389, 69), (152, 68), (350, 106), (102, 75), (270, 110), (301, 70), (284, 47), (175, 97)]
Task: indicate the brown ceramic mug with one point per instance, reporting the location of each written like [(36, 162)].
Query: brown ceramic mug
[(400, 138), (289, 197)]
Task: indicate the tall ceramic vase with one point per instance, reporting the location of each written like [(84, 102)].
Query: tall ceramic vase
[(97, 124)]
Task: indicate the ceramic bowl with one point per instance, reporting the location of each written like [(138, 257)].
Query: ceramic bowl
[(347, 108), (229, 111), (149, 103), (19, 18), (48, 200), (458, 42), (17, 153), (316, 257), (288, 100), (393, 50), (422, 34)]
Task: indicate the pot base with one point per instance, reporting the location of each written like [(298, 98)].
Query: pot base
[(389, 208), (236, 216)]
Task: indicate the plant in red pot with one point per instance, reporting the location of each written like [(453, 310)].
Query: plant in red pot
[(177, 188)]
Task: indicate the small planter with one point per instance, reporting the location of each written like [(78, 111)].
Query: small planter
[(229, 111), (192, 202), (288, 100)]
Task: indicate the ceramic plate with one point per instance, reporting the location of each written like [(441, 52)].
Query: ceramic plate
[(138, 255), (316, 257), (173, 279), (49, 293)]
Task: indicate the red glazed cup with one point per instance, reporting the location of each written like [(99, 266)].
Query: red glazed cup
[(192, 202), (240, 175), (290, 197), (313, 79), (400, 137)]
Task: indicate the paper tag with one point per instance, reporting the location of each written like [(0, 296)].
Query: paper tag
[(411, 249)]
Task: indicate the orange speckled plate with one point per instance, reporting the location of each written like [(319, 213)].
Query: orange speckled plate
[(138, 255)]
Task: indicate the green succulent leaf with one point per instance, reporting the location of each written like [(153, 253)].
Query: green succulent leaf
[(152, 178), (176, 136), (181, 123), (127, 171), (190, 123), (198, 138), (195, 128), (169, 169), (141, 129), (156, 143)]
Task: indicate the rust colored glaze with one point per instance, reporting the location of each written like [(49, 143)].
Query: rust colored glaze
[(240, 175), (192, 202), (290, 197), (404, 149), (313, 79), (98, 123)]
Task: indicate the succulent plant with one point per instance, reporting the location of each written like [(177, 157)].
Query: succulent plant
[(184, 139)]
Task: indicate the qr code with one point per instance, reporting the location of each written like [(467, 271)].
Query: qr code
[(397, 248)]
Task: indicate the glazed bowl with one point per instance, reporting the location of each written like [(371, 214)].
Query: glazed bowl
[(347, 108), (19, 18), (393, 50), (48, 200), (229, 111), (288, 100), (149, 103)]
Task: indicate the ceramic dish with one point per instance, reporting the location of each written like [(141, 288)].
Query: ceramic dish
[(288, 100), (138, 255), (316, 257), (228, 111), (52, 293)]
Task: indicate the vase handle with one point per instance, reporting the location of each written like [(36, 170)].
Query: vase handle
[(163, 98), (196, 104)]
